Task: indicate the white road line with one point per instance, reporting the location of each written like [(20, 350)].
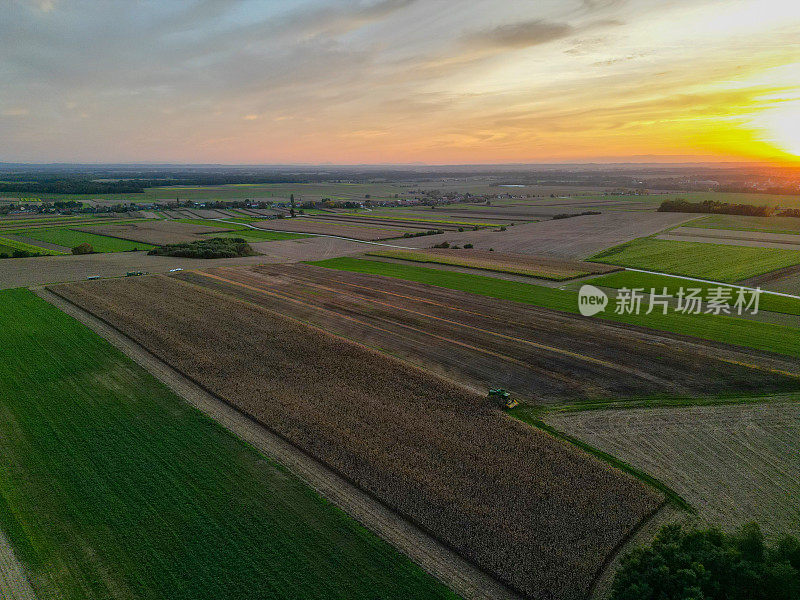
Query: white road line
[(732, 285)]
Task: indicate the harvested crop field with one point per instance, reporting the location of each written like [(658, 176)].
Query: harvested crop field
[(112, 487), (539, 354), (508, 497), (367, 232), (574, 238), (734, 463), (518, 264), (155, 232)]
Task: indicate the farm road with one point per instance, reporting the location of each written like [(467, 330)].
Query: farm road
[(467, 581)]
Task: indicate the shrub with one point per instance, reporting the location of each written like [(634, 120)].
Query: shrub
[(710, 565), (210, 248), (23, 254), (442, 245), (4, 255), (84, 248), (714, 207), (461, 229), (502, 228), (467, 246)]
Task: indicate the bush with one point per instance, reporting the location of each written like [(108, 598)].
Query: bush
[(502, 228), (710, 565), (4, 255), (210, 248), (461, 229), (580, 214), (467, 246), (23, 254), (442, 245), (714, 207), (84, 248)]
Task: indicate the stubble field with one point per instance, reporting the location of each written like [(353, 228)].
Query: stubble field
[(512, 499)]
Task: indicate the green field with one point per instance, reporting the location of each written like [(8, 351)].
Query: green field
[(631, 280), (742, 223), (70, 238), (718, 262), (11, 245), (111, 486), (741, 332)]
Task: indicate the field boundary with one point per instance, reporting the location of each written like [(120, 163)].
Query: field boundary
[(466, 579)]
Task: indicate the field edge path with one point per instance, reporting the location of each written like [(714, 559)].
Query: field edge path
[(14, 584), (432, 556)]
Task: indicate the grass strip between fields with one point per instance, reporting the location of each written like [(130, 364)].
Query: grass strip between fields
[(650, 281), (530, 416), (70, 238), (726, 329), (111, 486), (17, 245)]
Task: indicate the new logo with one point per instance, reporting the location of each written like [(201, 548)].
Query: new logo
[(591, 300)]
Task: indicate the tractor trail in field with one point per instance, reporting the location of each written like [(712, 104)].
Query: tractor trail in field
[(540, 355)]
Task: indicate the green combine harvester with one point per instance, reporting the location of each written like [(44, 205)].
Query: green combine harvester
[(503, 398)]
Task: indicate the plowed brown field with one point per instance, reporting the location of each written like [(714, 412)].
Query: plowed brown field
[(537, 513)]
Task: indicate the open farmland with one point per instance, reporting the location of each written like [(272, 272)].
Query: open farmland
[(518, 264), (574, 238), (356, 231), (512, 499), (112, 487), (10, 244), (729, 330), (540, 355), (156, 232), (734, 463), (69, 238), (717, 262), (648, 282), (744, 223), (759, 239)]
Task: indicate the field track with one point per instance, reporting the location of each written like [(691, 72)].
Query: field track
[(461, 576), (511, 498), (540, 354), (14, 583)]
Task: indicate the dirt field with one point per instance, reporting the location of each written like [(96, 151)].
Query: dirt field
[(351, 230), (540, 355), (467, 581), (521, 264), (735, 464), (508, 497), (155, 232), (574, 238)]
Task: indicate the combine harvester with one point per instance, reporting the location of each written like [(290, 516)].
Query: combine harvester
[(503, 398)]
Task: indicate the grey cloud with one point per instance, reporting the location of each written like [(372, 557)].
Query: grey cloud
[(521, 35)]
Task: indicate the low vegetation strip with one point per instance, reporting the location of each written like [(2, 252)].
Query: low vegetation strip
[(740, 223), (70, 238), (648, 282), (497, 491), (517, 264), (112, 487), (217, 247), (696, 259), (729, 330)]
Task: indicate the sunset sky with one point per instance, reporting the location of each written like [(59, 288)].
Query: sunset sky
[(399, 81)]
